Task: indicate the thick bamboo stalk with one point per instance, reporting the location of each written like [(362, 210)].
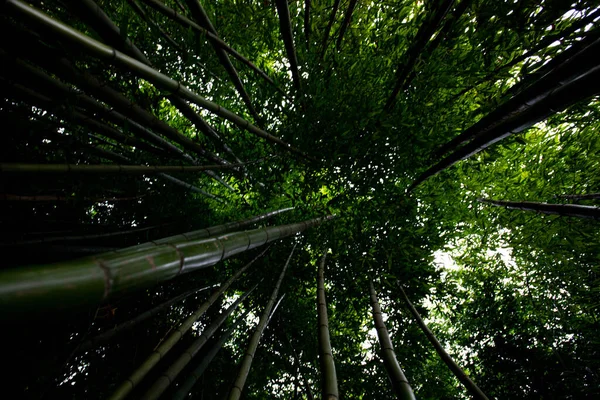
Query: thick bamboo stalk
[(238, 386), (585, 85), (471, 387), (209, 232), (336, 5), (166, 345), (425, 33), (567, 210), (575, 66), (91, 280), (163, 382), (191, 380), (203, 20), (187, 23), (345, 23), (162, 81), (399, 382), (329, 385), (107, 169), (132, 323), (285, 27)]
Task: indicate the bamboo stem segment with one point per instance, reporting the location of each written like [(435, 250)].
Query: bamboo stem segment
[(329, 385)]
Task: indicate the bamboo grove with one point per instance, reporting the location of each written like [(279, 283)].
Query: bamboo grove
[(300, 199)]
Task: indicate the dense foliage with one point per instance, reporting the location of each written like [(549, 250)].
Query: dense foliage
[(513, 295)]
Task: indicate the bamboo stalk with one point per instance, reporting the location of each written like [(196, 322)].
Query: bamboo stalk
[(238, 386), (399, 382), (329, 385), (81, 282), (590, 196), (202, 18), (424, 35), (163, 382), (285, 27), (160, 80), (471, 387), (191, 380), (567, 210), (108, 169), (307, 23), (585, 85), (132, 323), (58, 198), (345, 23), (336, 5), (166, 345)]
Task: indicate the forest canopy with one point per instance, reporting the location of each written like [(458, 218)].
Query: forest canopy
[(245, 199)]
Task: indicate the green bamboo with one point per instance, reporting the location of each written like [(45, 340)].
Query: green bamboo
[(345, 23), (336, 4), (187, 23), (107, 168), (209, 232), (238, 386), (202, 18), (166, 345), (162, 81), (329, 385), (567, 210), (191, 380), (471, 387), (132, 323), (285, 27), (163, 382), (398, 379), (90, 280)]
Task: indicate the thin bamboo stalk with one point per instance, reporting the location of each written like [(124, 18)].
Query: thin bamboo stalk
[(186, 22), (132, 323), (163, 382), (107, 169), (162, 81), (191, 380), (86, 281), (345, 23), (307, 23), (329, 385), (202, 18), (398, 379), (567, 210), (471, 387), (590, 196), (166, 345), (309, 394), (336, 5), (238, 386), (58, 198), (285, 27)]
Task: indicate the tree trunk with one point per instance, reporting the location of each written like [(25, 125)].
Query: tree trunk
[(238, 386), (471, 387), (136, 377), (329, 385), (399, 382), (567, 210), (163, 382)]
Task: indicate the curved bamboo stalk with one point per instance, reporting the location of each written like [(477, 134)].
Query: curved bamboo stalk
[(163, 382), (566, 210), (471, 387), (425, 33), (285, 27), (345, 23), (398, 379), (585, 85), (132, 323), (329, 385), (201, 17), (94, 279), (166, 345), (209, 232), (187, 23), (238, 386), (191, 380), (336, 5), (162, 81), (108, 169)]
